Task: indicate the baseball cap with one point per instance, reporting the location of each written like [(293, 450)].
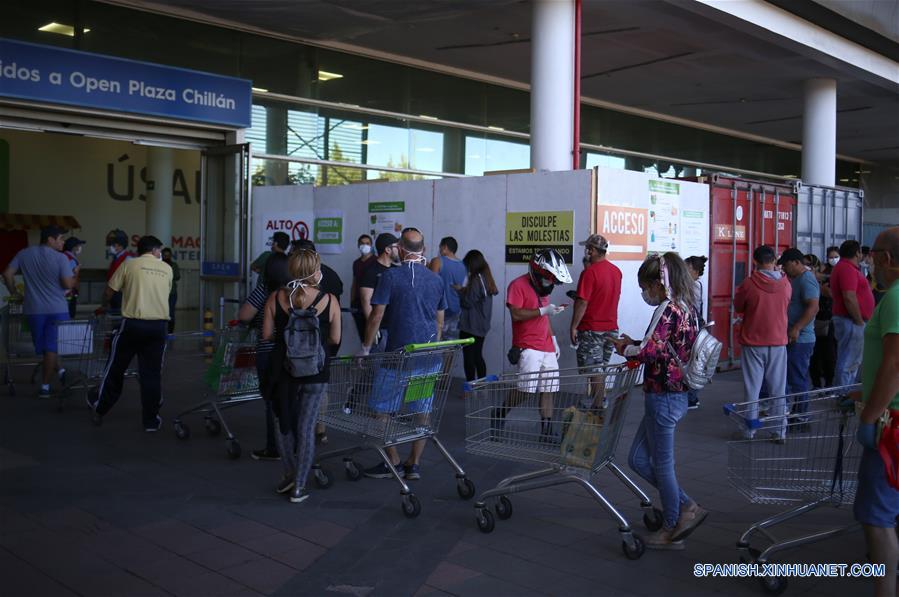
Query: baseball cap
[(595, 240), (384, 240), (791, 254), (73, 242), (764, 254)]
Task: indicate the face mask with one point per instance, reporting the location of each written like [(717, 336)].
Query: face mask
[(865, 269), (365, 249), (77, 250), (650, 300), (110, 250), (833, 261), (395, 257), (545, 287)]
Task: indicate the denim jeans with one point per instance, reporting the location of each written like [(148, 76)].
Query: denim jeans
[(652, 453), (850, 340), (799, 355)]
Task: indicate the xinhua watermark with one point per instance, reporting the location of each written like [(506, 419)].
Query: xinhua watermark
[(787, 570)]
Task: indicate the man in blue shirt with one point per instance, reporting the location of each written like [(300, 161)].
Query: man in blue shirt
[(417, 303), (800, 331), (48, 275), (452, 271)]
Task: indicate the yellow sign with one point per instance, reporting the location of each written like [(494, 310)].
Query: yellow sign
[(529, 231)]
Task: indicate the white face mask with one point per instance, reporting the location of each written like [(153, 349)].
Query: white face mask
[(365, 249), (650, 300), (833, 261), (110, 250), (77, 250)]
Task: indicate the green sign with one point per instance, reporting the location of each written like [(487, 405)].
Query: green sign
[(663, 186), (386, 206), (329, 231)]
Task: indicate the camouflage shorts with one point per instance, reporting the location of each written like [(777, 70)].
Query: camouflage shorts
[(594, 348)]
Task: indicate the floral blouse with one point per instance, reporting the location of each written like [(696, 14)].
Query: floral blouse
[(661, 371)]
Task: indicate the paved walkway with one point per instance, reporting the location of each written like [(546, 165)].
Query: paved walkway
[(115, 511)]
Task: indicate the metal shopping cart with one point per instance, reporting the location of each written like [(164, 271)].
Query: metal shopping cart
[(18, 350), (389, 399), (231, 380), (814, 465), (503, 421)]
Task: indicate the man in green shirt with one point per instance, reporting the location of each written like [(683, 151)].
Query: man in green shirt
[(280, 242), (876, 501)]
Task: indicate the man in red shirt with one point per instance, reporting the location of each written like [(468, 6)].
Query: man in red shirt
[(594, 323), (528, 301), (853, 305)]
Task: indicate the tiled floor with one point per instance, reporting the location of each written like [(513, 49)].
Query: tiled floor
[(114, 511)]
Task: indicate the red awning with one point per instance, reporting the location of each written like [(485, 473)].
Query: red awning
[(36, 221)]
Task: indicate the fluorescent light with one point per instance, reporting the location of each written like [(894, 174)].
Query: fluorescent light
[(61, 29), (324, 75), (370, 142), (426, 117), (425, 149), (844, 180), (259, 89), (496, 128), (356, 127)]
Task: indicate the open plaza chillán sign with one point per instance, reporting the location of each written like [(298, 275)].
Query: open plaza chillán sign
[(60, 76)]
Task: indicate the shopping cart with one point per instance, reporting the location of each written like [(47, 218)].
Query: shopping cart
[(231, 380), (18, 350), (503, 421), (815, 465), (389, 399)]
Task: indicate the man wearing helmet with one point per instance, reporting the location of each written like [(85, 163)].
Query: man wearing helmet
[(528, 301), (117, 248)]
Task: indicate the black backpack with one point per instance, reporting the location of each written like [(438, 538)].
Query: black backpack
[(302, 337)]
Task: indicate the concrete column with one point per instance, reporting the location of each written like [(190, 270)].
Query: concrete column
[(819, 132), (275, 144), (552, 84), (160, 172)]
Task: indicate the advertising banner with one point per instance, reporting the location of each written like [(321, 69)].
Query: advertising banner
[(61, 76), (529, 231)]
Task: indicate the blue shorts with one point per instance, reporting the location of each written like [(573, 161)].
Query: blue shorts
[(44, 332), (876, 502)]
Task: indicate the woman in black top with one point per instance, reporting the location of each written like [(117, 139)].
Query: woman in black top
[(296, 400)]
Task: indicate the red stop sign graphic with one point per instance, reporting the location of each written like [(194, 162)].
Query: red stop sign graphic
[(300, 230)]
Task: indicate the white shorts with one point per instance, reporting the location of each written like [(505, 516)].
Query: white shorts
[(530, 371)]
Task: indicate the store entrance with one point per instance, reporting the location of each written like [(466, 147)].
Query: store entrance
[(93, 185)]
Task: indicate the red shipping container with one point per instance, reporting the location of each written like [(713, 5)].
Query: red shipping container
[(744, 215)]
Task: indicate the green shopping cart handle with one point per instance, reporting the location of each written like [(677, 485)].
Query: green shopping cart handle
[(441, 344)]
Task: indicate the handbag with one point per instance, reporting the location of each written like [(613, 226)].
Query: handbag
[(581, 432)]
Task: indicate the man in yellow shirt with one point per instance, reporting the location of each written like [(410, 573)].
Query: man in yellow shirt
[(145, 283)]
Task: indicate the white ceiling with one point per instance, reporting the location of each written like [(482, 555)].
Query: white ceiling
[(647, 54)]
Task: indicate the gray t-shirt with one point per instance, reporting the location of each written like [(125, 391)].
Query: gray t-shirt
[(477, 308), (43, 269)]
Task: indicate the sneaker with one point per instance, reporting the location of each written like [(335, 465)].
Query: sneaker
[(299, 494), (154, 427), (92, 400), (44, 392), (265, 454), (321, 439), (690, 518), (62, 377), (285, 485), (381, 471), (412, 472), (661, 539), (693, 405)]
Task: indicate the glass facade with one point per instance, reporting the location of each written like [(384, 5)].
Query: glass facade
[(348, 134)]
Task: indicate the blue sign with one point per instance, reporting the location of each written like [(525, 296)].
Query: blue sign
[(224, 269), (55, 75)]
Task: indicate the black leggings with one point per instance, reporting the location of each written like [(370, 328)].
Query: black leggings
[(475, 366)]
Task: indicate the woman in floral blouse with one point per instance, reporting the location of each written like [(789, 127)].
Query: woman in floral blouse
[(667, 286)]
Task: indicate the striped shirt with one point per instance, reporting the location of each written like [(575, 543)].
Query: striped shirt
[(257, 299)]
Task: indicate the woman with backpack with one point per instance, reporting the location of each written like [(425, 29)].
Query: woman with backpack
[(304, 324), (667, 286), (476, 300)]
